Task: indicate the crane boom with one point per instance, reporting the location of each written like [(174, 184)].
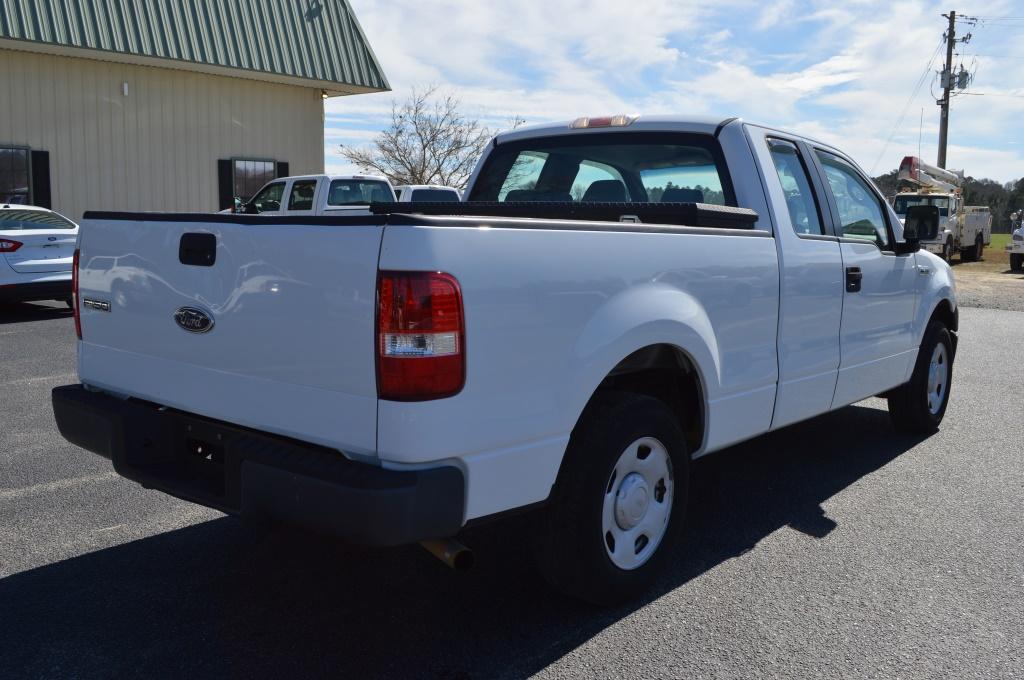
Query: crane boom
[(916, 171)]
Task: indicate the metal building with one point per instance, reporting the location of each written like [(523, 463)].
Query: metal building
[(174, 105)]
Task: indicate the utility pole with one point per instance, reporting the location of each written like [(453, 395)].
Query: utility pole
[(947, 85)]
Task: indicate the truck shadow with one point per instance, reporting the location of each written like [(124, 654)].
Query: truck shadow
[(220, 598), (29, 311)]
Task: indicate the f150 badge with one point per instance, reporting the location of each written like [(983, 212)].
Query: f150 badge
[(193, 320)]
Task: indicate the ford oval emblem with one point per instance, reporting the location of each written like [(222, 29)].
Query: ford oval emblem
[(193, 320)]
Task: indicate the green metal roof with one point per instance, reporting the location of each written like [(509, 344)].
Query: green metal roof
[(319, 41)]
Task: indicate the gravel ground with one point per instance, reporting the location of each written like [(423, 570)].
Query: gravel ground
[(989, 284), (833, 548)]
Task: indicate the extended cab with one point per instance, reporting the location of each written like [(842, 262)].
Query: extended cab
[(306, 195), (616, 297)]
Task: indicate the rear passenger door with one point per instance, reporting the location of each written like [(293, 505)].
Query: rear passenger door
[(301, 196), (811, 272), (879, 299)]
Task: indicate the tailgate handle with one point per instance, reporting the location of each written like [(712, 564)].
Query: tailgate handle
[(199, 250)]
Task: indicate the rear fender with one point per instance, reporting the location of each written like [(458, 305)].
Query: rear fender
[(650, 314)]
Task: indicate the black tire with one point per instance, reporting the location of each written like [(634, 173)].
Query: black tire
[(947, 251), (570, 540), (908, 404), (1016, 262), (980, 248), (969, 254)]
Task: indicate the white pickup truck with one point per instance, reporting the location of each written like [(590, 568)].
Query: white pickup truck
[(1015, 247), (305, 195), (617, 297)]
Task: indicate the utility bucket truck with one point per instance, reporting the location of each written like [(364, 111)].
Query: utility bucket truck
[(963, 229)]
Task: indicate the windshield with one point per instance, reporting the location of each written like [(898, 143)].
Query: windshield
[(903, 202), (12, 220), (358, 192), (607, 167)]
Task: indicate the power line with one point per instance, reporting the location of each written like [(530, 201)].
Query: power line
[(1000, 56), (903, 113), (991, 94)]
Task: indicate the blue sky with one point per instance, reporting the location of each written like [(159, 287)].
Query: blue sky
[(841, 72)]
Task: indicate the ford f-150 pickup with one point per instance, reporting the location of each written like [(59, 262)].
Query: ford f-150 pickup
[(615, 297)]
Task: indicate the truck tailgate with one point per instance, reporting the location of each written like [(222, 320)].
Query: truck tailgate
[(290, 349)]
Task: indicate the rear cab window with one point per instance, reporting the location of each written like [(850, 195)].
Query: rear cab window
[(607, 167), (346, 192), (434, 195)]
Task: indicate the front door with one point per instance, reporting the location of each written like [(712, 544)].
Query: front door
[(879, 299)]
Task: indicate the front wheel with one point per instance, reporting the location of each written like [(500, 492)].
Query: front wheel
[(619, 502), (947, 251), (918, 406)]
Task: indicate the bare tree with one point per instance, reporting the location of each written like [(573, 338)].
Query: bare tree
[(429, 141)]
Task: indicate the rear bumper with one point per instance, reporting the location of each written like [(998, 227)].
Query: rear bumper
[(36, 290), (250, 473)]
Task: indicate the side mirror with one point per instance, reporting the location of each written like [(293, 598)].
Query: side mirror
[(921, 224), (250, 209)]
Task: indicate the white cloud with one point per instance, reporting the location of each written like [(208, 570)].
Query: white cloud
[(841, 73)]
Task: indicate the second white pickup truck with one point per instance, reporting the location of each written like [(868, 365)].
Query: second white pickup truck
[(306, 195), (617, 297)]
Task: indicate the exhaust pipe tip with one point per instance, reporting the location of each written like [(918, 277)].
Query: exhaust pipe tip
[(451, 552)]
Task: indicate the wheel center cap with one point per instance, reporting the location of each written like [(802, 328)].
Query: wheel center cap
[(631, 501)]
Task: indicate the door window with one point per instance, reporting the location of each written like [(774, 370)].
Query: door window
[(270, 198), (796, 185), (860, 210), (301, 196)]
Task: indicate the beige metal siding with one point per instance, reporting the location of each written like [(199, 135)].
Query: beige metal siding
[(156, 148)]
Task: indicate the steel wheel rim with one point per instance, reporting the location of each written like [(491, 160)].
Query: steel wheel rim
[(637, 503), (938, 378)]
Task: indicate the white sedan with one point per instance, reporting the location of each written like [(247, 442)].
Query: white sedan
[(37, 247)]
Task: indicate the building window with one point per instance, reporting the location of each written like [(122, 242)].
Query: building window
[(15, 175), (249, 176)]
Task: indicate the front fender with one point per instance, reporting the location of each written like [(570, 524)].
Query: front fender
[(939, 285)]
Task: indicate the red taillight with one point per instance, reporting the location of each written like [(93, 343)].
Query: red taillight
[(420, 336), (9, 246), (74, 295)]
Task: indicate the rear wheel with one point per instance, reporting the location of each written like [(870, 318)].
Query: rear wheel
[(619, 502), (1016, 262), (969, 254), (918, 406)]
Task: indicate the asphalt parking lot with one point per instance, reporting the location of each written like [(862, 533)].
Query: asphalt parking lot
[(834, 548)]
